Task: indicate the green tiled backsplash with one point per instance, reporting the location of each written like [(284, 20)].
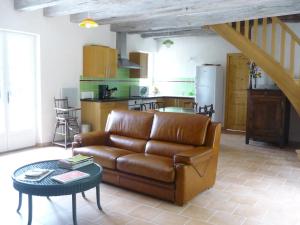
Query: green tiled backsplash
[(121, 81), (182, 86)]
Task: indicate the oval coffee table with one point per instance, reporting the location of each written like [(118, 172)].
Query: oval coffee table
[(48, 187)]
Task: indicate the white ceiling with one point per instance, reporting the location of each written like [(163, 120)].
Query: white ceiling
[(166, 16)]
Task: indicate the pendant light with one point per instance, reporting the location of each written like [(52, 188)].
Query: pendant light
[(88, 22), (168, 43)]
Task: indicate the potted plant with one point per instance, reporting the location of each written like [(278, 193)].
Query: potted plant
[(254, 73)]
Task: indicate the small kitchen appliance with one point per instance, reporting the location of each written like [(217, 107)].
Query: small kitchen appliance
[(138, 91), (105, 92)]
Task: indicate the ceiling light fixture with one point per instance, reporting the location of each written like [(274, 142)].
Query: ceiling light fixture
[(88, 22), (168, 43)]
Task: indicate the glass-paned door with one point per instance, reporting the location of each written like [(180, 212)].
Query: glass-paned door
[(19, 102), (3, 134)]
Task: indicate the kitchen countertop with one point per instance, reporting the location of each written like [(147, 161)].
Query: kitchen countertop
[(177, 110), (113, 99)]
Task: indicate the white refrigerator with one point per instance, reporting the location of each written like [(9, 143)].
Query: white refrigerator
[(209, 84)]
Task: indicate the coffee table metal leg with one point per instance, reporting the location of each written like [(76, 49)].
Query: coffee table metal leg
[(98, 197), (29, 209), (74, 209), (20, 201), (83, 194)]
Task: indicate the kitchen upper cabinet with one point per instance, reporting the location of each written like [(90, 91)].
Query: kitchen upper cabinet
[(113, 62), (99, 61), (142, 60)]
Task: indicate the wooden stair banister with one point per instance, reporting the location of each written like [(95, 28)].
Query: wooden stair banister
[(248, 44)]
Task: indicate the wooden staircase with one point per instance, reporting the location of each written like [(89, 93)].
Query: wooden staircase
[(260, 41)]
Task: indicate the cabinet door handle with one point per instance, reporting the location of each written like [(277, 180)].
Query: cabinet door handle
[(8, 97)]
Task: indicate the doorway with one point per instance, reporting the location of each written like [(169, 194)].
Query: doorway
[(17, 90), (237, 82)]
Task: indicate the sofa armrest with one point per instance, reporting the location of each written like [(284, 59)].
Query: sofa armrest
[(75, 145), (193, 156), (90, 138), (198, 158)]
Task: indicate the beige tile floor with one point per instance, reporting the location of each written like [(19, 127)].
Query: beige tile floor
[(256, 185)]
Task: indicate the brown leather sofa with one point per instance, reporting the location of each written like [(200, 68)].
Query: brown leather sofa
[(172, 156)]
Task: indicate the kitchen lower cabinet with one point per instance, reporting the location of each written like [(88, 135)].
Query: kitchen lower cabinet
[(95, 113), (170, 102), (185, 102), (178, 102)]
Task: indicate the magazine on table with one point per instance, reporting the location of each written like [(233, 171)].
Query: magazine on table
[(70, 176)]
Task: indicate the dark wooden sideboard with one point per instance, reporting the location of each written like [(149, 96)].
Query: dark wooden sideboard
[(268, 114)]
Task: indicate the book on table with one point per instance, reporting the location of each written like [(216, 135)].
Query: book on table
[(36, 174), (66, 165), (70, 176), (78, 158), (75, 162)]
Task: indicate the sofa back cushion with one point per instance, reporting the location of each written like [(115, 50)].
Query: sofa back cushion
[(128, 143), (132, 124), (180, 128), (167, 149)]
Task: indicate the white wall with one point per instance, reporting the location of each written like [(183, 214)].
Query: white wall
[(148, 45), (137, 44), (181, 59), (60, 54), (178, 62)]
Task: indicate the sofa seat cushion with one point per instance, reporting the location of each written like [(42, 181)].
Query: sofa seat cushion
[(131, 144), (167, 149), (104, 155), (151, 166)]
